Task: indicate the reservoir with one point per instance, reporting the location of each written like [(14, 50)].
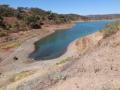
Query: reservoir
[(55, 44)]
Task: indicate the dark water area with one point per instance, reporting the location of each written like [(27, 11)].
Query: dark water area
[(55, 44)]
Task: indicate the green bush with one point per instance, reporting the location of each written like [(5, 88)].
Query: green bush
[(2, 24), (33, 21), (32, 18), (2, 34), (6, 11)]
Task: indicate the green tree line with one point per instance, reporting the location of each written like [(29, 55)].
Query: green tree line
[(31, 18)]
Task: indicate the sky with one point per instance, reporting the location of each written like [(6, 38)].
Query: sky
[(82, 7)]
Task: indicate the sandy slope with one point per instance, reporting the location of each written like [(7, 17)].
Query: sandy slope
[(9, 67), (98, 69), (39, 81), (94, 65)]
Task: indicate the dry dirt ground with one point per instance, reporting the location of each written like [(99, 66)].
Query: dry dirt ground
[(9, 67), (94, 66), (98, 69)]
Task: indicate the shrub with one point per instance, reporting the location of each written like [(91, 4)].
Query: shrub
[(2, 34), (21, 75), (33, 21), (110, 29), (63, 61), (2, 24), (6, 11)]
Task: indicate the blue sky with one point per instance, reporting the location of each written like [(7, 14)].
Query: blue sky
[(82, 7)]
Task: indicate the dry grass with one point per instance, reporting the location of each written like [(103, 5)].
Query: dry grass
[(10, 45), (63, 61), (110, 29), (21, 75)]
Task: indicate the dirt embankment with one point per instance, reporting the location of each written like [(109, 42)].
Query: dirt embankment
[(21, 48), (97, 69), (42, 79), (90, 63)]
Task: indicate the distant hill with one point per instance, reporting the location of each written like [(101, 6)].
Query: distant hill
[(106, 16), (34, 17), (22, 18)]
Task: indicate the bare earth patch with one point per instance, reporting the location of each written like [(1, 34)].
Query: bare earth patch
[(98, 69)]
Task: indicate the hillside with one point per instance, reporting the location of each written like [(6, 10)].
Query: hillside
[(94, 63), (103, 17), (23, 19), (98, 68)]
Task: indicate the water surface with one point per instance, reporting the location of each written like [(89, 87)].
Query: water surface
[(55, 44)]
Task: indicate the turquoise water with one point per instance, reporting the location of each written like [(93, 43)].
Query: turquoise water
[(55, 44)]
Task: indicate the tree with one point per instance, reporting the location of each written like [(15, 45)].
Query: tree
[(6, 11), (1, 20), (33, 21), (20, 13), (2, 24), (37, 11)]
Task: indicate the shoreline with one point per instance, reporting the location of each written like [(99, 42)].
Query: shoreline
[(45, 32), (68, 48), (31, 41), (57, 28), (55, 64), (50, 30), (9, 66)]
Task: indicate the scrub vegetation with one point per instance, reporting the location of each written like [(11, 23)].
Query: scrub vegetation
[(110, 29), (22, 19), (21, 75)]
